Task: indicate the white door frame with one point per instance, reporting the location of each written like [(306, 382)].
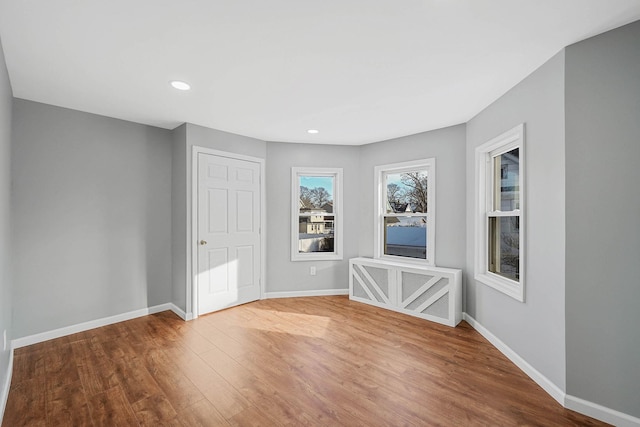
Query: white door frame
[(194, 220)]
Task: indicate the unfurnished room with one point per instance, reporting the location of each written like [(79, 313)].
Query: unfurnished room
[(354, 213)]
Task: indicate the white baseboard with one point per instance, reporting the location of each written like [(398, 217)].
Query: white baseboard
[(181, 313), (92, 324), (318, 293), (544, 382), (4, 393), (582, 406), (600, 412)]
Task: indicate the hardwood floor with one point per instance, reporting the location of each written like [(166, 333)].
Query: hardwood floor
[(321, 361)]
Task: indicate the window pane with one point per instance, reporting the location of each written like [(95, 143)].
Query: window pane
[(316, 233), (316, 194), (504, 244), (406, 236), (506, 169), (406, 192)]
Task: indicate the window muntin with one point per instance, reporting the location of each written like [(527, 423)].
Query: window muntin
[(406, 215), (316, 230), (506, 182), (315, 217), (407, 191), (500, 237), (504, 220), (504, 246)]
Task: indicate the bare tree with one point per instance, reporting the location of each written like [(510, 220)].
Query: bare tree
[(313, 198), (394, 193), (319, 197), (510, 248), (417, 191), (305, 198)]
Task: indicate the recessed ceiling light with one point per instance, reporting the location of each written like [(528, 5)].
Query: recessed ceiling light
[(313, 131), (177, 84)]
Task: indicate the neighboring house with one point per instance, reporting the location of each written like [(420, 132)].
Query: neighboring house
[(397, 207), (314, 224), (327, 207), (319, 223)]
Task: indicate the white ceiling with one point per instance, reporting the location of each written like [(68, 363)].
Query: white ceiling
[(357, 70)]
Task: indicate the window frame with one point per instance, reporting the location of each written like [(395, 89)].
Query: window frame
[(485, 185), (336, 173), (380, 173)]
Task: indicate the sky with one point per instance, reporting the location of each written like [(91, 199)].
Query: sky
[(396, 178), (327, 182), (318, 181)]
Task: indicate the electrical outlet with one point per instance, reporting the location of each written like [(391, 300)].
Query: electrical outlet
[(312, 271)]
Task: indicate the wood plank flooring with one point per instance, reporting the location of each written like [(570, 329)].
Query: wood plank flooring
[(320, 361)]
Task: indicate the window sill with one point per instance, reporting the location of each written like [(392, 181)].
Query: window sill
[(316, 257), (508, 287)]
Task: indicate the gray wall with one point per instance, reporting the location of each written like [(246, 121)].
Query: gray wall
[(358, 162), (448, 147), (603, 213), (6, 299), (91, 214), (217, 140), (533, 329), (283, 275)]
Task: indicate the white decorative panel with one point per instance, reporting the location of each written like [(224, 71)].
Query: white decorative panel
[(372, 283), (245, 266), (218, 271), (428, 293), (359, 290), (218, 171), (380, 277), (244, 175), (432, 293), (412, 283), (244, 200), (218, 201), (439, 308)]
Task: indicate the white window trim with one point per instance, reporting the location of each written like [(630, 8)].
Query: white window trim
[(337, 254), (509, 140), (379, 211)]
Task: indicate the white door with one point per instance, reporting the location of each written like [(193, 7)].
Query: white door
[(229, 258)]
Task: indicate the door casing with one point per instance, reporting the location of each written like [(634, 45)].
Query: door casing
[(192, 257)]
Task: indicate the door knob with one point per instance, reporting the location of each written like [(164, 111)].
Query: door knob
[(203, 242)]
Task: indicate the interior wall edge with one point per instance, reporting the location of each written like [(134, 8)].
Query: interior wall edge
[(547, 385), (600, 412), (573, 403)]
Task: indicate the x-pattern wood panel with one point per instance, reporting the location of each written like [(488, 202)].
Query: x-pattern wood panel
[(369, 285), (421, 290)]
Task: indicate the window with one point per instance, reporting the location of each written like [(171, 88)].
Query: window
[(316, 214), (405, 211), (500, 213)]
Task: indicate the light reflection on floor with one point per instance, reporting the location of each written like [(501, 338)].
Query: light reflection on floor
[(292, 323)]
